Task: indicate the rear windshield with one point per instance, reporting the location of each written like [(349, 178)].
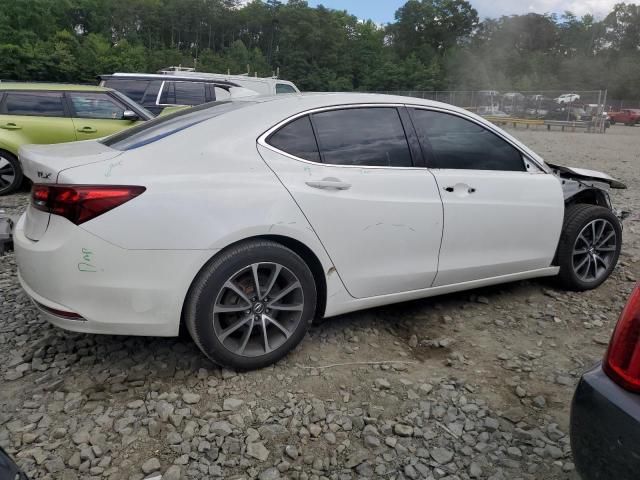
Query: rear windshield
[(163, 126)]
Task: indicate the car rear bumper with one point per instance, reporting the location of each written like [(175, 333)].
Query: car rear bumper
[(605, 429), (113, 290)]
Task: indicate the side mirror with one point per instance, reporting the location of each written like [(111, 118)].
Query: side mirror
[(130, 115)]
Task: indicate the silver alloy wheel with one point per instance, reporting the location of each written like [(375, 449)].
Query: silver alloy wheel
[(258, 309), (7, 173), (594, 250)]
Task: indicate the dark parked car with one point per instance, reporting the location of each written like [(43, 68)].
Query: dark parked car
[(605, 415)]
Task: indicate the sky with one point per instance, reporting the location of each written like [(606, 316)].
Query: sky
[(383, 11)]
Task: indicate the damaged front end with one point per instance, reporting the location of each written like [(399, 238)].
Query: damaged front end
[(580, 185)]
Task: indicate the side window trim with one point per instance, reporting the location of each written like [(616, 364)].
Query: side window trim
[(160, 93), (417, 155), (263, 139), (427, 150)]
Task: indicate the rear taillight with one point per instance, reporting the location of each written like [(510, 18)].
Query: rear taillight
[(622, 361), (81, 203)]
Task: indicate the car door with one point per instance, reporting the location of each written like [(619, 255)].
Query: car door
[(500, 216), (97, 114), (352, 173), (29, 116)]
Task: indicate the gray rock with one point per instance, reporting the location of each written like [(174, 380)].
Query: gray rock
[(356, 458), (150, 466), (382, 384), (232, 404), (441, 455), (221, 428), (190, 398), (257, 450), (174, 472), (291, 451), (269, 474), (474, 470), (402, 430)]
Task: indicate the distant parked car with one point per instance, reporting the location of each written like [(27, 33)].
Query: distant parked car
[(605, 414), (567, 98), (239, 219), (171, 89), (629, 117), (56, 113)]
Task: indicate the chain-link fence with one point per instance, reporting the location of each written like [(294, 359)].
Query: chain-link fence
[(552, 108)]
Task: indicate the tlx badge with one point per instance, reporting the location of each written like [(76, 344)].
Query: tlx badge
[(44, 175)]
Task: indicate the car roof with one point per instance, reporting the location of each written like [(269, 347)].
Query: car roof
[(165, 77), (61, 87)]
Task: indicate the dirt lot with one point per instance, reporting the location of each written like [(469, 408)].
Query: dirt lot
[(481, 387)]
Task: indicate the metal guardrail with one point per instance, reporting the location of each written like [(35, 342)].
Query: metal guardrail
[(539, 122)]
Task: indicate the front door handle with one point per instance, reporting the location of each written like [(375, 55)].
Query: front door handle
[(10, 126), (460, 188), (330, 184), (87, 130)]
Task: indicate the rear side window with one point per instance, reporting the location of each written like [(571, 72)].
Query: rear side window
[(297, 139), (134, 89), (40, 104), (362, 137), (284, 88), (183, 93), (96, 105), (456, 143)]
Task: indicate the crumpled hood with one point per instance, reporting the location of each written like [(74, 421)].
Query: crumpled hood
[(578, 173)]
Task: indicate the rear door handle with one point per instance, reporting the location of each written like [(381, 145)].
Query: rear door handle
[(10, 126), (87, 130), (330, 184)]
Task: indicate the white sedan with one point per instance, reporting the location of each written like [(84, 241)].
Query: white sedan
[(245, 220)]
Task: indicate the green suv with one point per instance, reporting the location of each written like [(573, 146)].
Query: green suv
[(56, 113)]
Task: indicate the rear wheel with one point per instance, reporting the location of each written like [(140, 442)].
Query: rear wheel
[(589, 246), (251, 305), (10, 173)]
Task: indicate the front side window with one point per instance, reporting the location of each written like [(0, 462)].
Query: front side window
[(372, 136), (183, 93), (297, 139), (96, 105), (39, 104), (284, 88), (457, 143)]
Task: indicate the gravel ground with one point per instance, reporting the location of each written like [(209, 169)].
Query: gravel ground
[(470, 385)]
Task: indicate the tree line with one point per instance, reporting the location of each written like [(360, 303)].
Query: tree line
[(431, 44)]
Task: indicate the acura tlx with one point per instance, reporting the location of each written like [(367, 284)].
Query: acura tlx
[(245, 220)]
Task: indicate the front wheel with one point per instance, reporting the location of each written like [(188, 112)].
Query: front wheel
[(251, 305), (589, 246), (10, 173)]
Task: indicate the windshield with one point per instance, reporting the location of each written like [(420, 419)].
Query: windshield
[(161, 127)]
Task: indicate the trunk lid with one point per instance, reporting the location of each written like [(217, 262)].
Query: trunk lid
[(44, 163)]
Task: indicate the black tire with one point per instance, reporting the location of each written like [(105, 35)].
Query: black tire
[(612, 121), (12, 164), (210, 285), (576, 218)]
